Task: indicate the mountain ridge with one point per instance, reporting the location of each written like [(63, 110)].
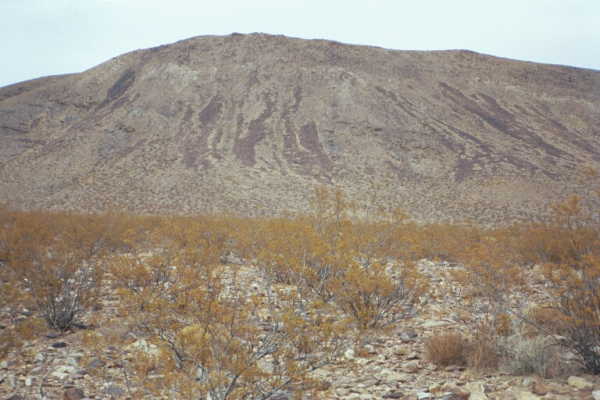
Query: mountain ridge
[(251, 123)]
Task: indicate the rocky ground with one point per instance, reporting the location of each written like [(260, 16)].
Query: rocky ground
[(390, 366)]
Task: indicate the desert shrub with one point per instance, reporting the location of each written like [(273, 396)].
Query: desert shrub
[(212, 336), (552, 243), (567, 235), (569, 250), (493, 270), (9, 300), (447, 349), (576, 291), (503, 325), (320, 277), (373, 298), (7, 287), (387, 234), (444, 242), (310, 252), (538, 355), (53, 267), (9, 341), (543, 319), (10, 295), (140, 279), (484, 351), (64, 294), (324, 275), (489, 277), (567, 246), (28, 328), (6, 223), (291, 248), (216, 340), (330, 257)]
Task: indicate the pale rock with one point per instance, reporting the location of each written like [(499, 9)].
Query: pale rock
[(28, 381), (370, 382), (596, 394), (114, 391), (265, 365), (349, 354), (558, 388), (63, 371), (467, 376), (408, 335), (579, 383), (76, 355), (95, 364), (477, 390), (16, 397), (280, 395), (369, 349), (429, 324), (538, 270), (72, 361), (11, 380), (450, 387), (231, 258), (522, 394), (362, 361), (39, 358), (434, 387), (424, 396), (399, 351), (568, 355), (411, 366), (478, 396), (455, 395), (394, 394), (453, 368), (528, 381), (389, 376), (143, 346), (202, 374)]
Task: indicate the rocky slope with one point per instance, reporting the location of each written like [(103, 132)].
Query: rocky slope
[(250, 123), (391, 366)]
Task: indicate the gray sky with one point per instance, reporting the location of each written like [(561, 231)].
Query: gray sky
[(45, 37)]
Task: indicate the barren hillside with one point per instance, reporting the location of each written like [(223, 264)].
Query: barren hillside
[(250, 123)]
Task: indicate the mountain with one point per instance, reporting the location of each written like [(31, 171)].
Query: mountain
[(251, 123)]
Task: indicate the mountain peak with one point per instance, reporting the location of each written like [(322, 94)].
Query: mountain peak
[(252, 122)]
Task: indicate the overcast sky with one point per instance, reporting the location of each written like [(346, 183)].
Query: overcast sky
[(46, 37)]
